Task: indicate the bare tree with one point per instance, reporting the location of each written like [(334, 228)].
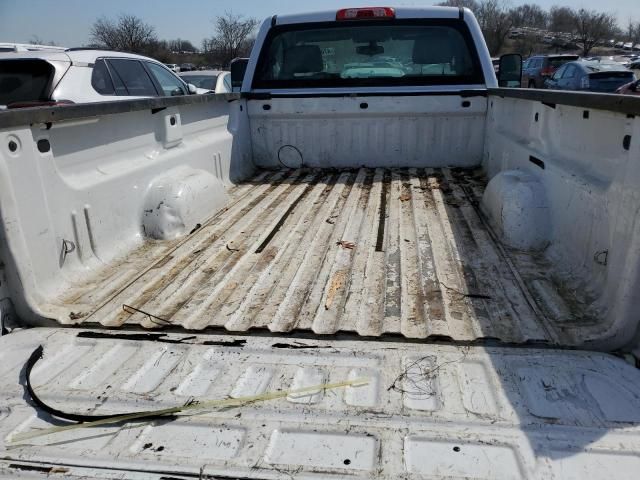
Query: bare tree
[(232, 38), (470, 4), (592, 27), (633, 32), (496, 22), (128, 33), (37, 40), (561, 19), (529, 15), (494, 19), (104, 34), (526, 46), (180, 45), (159, 49)]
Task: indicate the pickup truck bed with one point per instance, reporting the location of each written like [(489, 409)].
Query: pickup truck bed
[(468, 255), (371, 251)]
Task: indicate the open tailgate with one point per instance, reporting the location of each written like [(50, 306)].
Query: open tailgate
[(428, 411)]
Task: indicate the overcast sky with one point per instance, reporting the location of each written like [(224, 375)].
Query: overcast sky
[(68, 22)]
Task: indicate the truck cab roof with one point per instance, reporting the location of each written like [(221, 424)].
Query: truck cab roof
[(401, 13)]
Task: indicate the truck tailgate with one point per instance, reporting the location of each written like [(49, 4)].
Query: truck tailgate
[(427, 410), (370, 251)]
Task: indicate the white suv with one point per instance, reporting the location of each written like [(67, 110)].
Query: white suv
[(83, 76)]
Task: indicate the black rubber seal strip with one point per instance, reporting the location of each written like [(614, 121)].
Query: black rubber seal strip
[(284, 216), (75, 417), (382, 214), (536, 161), (461, 13)]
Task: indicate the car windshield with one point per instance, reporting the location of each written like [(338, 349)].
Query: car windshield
[(201, 81), (24, 81), (368, 54)]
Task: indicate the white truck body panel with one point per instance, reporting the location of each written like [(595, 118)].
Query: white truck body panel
[(73, 200), (589, 185), (436, 411), (390, 132)]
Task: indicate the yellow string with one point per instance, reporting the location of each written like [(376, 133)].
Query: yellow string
[(210, 404)]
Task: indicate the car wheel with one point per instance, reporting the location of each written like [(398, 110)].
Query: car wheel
[(532, 84)]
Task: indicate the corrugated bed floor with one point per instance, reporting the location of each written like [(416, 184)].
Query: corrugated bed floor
[(370, 251)]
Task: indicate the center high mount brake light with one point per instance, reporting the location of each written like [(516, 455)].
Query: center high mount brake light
[(366, 13)]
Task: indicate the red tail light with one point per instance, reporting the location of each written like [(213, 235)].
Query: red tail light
[(547, 71), (366, 13)]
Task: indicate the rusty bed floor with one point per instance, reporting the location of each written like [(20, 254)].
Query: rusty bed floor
[(368, 251)]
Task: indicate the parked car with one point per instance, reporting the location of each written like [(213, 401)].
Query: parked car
[(83, 75), (187, 67), (538, 68), (174, 67), (592, 76), (216, 81), (631, 88)]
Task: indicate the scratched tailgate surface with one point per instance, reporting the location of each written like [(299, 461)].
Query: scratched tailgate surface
[(369, 251), (428, 411)]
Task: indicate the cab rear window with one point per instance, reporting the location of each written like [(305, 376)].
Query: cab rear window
[(25, 81), (372, 53)]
